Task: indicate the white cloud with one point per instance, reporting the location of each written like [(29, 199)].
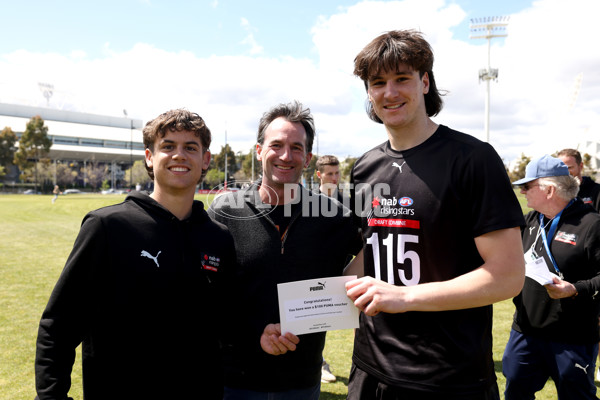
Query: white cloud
[(548, 45), (532, 110), (255, 48)]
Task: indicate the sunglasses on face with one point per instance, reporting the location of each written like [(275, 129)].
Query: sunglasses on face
[(528, 186)]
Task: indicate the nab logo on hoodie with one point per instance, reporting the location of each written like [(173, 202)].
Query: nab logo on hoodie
[(210, 263)]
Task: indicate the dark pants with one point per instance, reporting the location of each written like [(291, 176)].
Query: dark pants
[(311, 393), (528, 362), (362, 386)]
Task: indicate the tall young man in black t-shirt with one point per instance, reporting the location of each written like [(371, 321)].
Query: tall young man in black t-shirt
[(441, 228)]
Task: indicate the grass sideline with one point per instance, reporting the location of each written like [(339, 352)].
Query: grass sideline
[(36, 237)]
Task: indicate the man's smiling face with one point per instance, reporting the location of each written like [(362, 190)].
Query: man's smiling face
[(283, 153)]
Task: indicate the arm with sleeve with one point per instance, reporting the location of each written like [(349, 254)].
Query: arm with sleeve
[(63, 323)]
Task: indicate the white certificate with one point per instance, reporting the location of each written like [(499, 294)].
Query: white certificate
[(316, 305), (538, 271)]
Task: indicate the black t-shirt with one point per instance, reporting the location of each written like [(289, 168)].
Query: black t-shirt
[(421, 211)]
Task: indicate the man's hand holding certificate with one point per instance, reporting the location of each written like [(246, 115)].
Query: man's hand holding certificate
[(316, 305)]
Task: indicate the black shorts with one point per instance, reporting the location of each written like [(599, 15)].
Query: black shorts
[(362, 386)]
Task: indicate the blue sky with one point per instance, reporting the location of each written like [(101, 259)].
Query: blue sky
[(204, 28), (231, 60)]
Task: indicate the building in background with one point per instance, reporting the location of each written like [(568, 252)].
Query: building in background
[(80, 138)]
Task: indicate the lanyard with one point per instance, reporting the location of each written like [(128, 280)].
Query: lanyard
[(551, 233)]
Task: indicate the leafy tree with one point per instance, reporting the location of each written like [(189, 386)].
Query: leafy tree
[(65, 175), (138, 174), (39, 173), (309, 173), (247, 161), (587, 166), (587, 160), (346, 168), (28, 174), (214, 177), (219, 160), (518, 171), (34, 145), (7, 146), (95, 174)]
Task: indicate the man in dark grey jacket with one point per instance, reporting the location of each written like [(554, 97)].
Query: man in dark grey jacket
[(282, 233)]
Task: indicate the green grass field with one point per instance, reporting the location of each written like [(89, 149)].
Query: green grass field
[(36, 237)]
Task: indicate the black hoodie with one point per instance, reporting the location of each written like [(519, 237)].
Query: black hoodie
[(140, 291)]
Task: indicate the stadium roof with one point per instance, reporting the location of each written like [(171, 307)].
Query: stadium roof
[(80, 136)]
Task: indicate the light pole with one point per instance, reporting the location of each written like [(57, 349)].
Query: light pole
[(488, 28), (253, 156), (47, 91), (225, 180), (130, 149)]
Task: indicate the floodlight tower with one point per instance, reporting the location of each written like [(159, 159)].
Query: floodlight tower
[(488, 28), (47, 91)]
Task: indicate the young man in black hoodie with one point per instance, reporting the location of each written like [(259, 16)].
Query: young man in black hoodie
[(139, 289)]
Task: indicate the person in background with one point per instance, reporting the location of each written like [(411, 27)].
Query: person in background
[(328, 172), (56, 191), (440, 222), (589, 191), (141, 287), (555, 328)]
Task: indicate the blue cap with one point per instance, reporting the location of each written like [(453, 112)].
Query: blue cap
[(543, 167)]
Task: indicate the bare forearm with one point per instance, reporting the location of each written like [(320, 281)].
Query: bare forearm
[(500, 277), (474, 289), (356, 266)]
